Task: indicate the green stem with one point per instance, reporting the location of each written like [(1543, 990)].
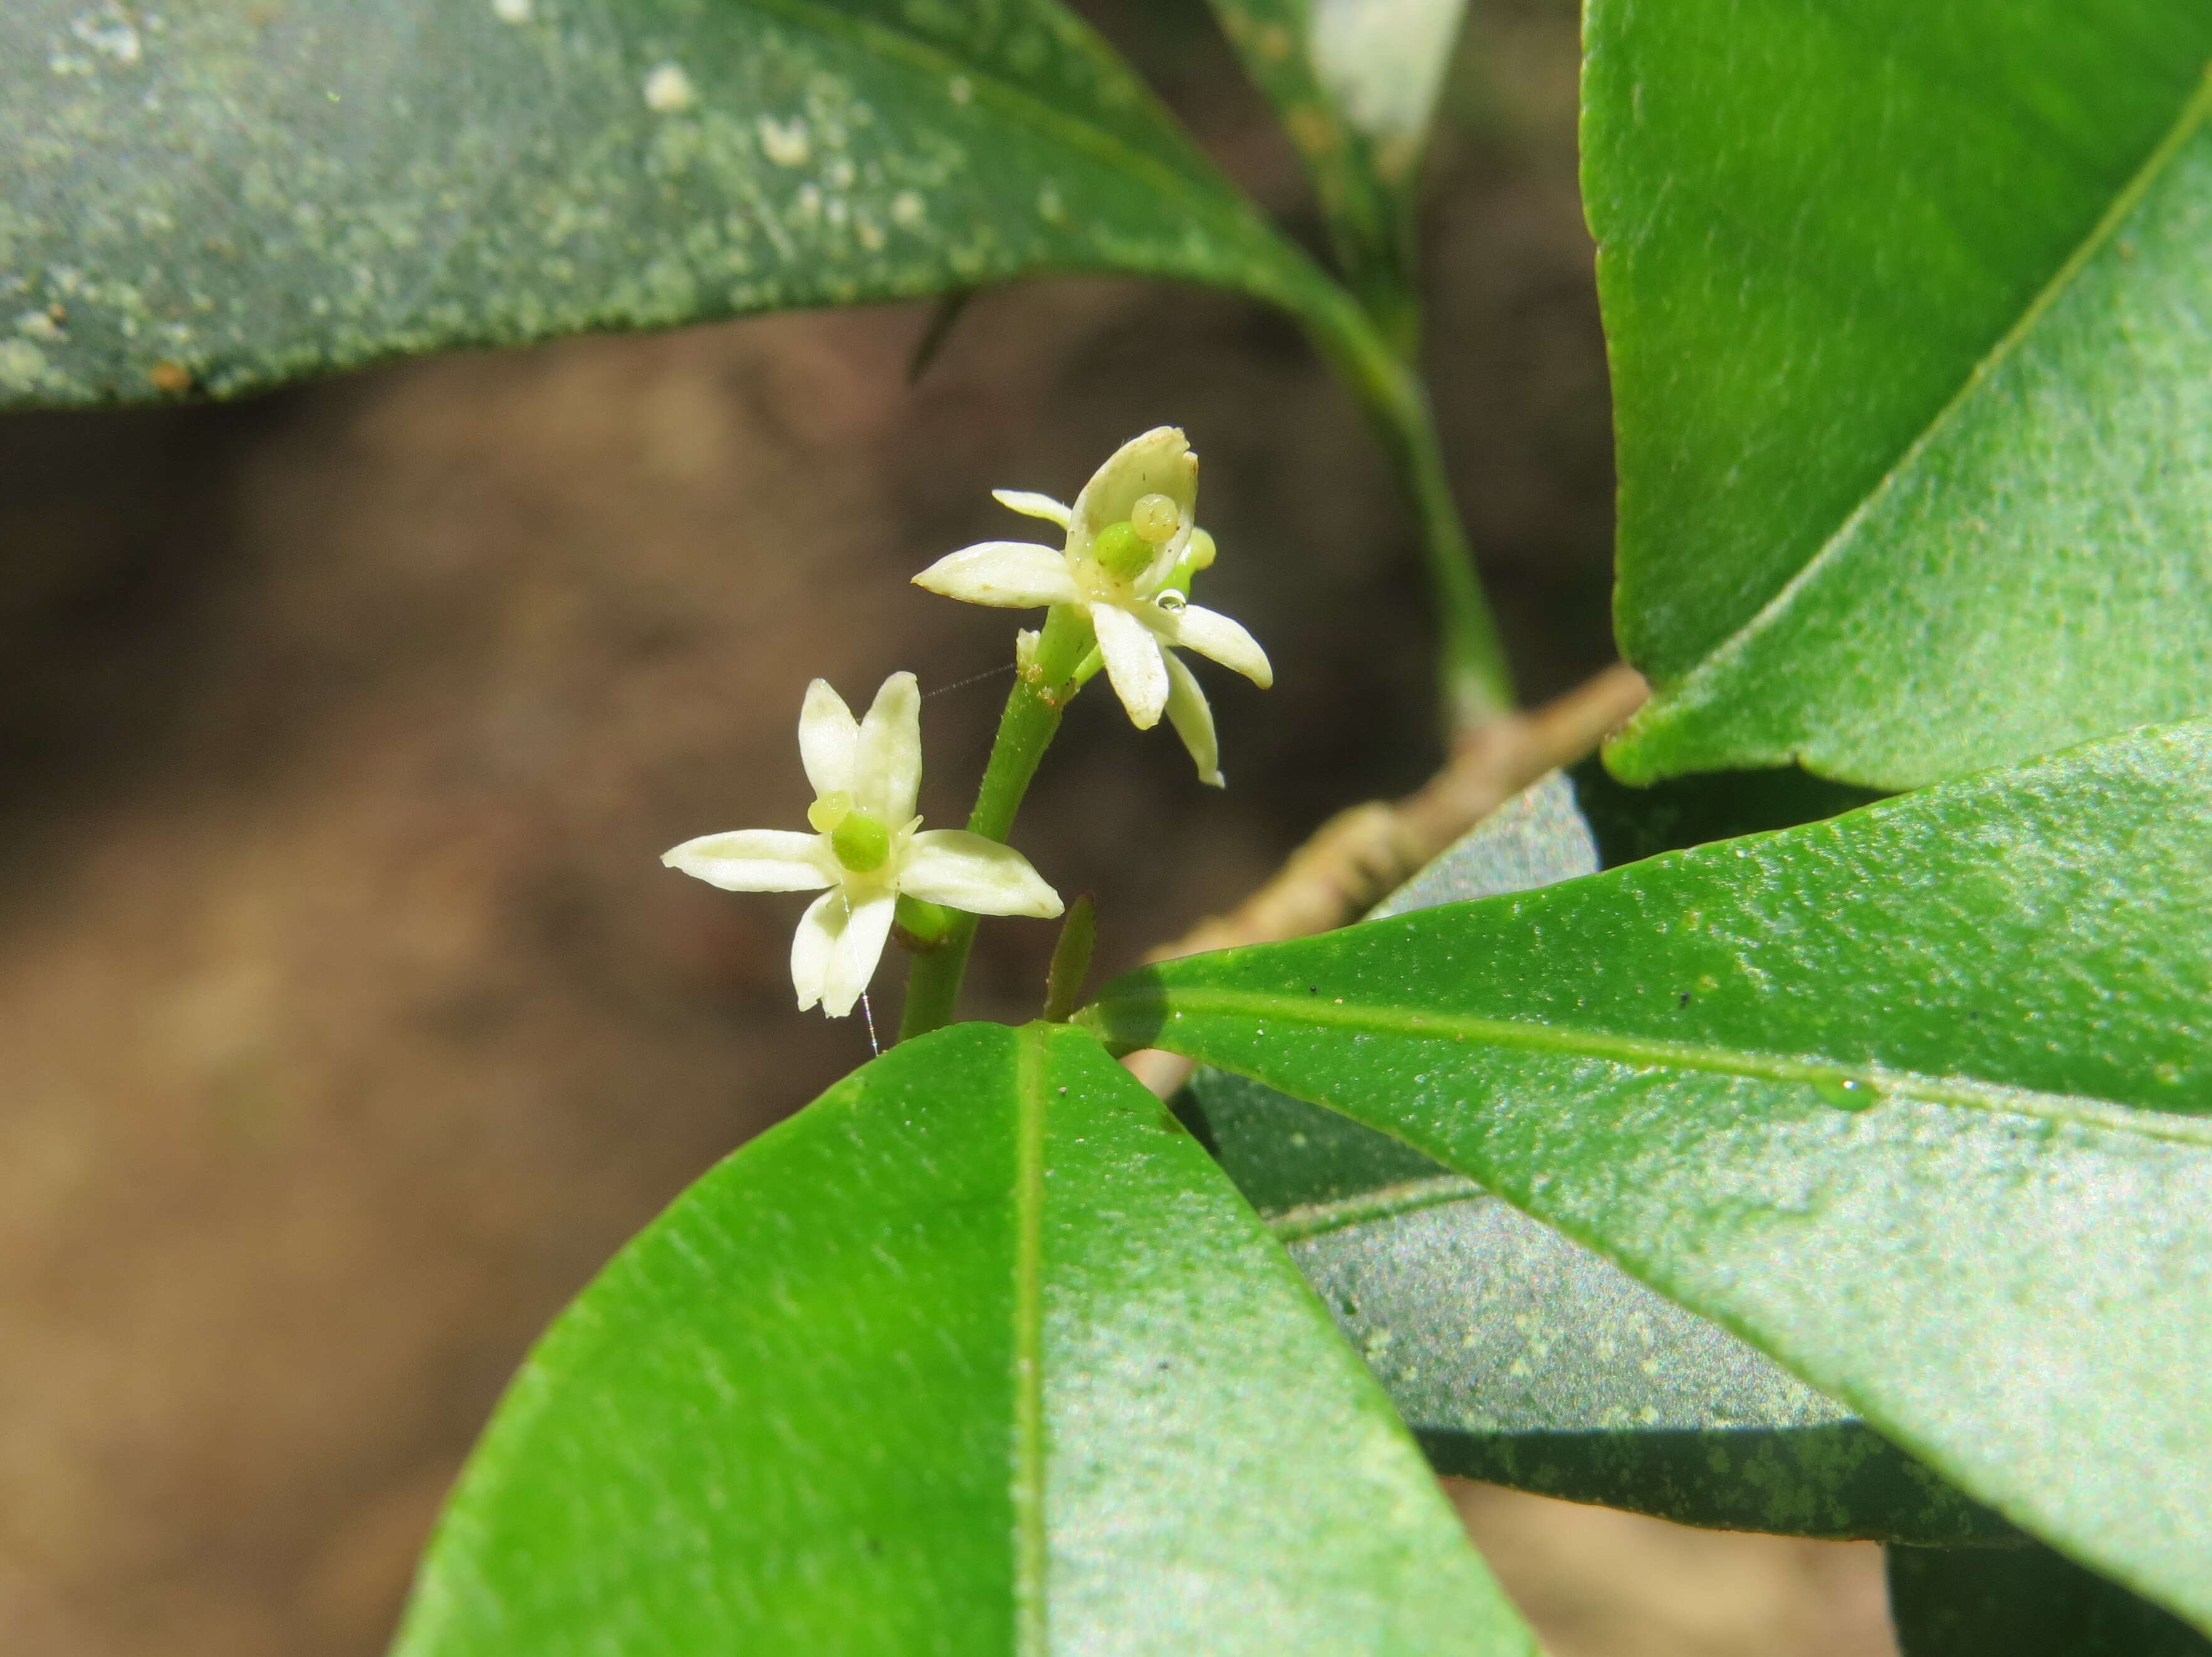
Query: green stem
[(1477, 684), (1026, 729)]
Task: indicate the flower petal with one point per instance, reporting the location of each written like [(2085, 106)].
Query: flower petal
[(1009, 574), (887, 763), (812, 945), (1133, 662), (757, 860), (1210, 633), (1193, 719), (859, 947), (1032, 504), (1158, 463), (966, 872), (826, 732)]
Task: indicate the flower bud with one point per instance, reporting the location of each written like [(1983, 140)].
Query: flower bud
[(1156, 517), (1120, 551), (861, 842)]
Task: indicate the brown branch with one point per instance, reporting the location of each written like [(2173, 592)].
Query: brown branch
[(1360, 856)]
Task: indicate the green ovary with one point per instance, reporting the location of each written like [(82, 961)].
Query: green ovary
[(861, 842), (1120, 551)]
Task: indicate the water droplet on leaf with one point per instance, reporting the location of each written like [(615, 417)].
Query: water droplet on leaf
[(1847, 1092)]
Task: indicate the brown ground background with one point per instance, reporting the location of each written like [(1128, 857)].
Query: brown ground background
[(347, 1021)]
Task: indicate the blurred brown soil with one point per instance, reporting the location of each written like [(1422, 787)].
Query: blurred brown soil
[(347, 1019)]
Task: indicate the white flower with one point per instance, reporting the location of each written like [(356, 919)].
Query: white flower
[(1133, 543), (865, 848)]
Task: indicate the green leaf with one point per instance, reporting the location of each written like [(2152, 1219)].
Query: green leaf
[(1356, 84), (1899, 1097), (2022, 1602), (1522, 1358), (977, 1354), (1912, 338), (231, 195)]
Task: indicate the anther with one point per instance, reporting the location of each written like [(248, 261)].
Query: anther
[(1156, 517)]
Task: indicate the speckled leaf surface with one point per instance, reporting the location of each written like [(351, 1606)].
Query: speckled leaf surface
[(979, 1353), (1910, 327), (1520, 1357), (227, 197), (1913, 1099), (2022, 1602), (1355, 82)]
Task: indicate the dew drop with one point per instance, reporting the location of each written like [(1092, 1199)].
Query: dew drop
[(1847, 1092), (1170, 601)]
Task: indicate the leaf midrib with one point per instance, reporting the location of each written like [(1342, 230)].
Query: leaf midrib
[(1031, 1550), (1388, 1202), (1886, 1085), (2195, 111)]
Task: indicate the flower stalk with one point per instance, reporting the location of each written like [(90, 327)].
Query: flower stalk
[(1026, 728)]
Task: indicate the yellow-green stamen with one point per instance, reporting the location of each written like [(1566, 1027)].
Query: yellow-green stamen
[(1156, 517)]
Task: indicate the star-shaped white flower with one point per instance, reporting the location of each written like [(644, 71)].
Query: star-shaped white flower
[(865, 849), (1132, 543)]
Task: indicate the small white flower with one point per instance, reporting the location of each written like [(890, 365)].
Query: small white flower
[(865, 848), (1133, 541)]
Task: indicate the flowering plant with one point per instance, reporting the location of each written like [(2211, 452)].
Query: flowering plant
[(1796, 1122)]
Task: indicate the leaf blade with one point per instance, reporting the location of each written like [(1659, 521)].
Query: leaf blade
[(246, 198), (1903, 458), (2012, 969), (1014, 1438), (1520, 1358)]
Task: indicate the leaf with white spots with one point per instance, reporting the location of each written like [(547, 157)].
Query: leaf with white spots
[(225, 198), (1917, 1101)]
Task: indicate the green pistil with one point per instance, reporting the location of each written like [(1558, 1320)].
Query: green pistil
[(861, 842), (1120, 551)]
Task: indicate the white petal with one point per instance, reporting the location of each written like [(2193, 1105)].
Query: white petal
[(826, 732), (887, 764), (860, 946), (966, 872), (1009, 574), (1133, 663), (813, 944), (757, 860), (1192, 720), (1210, 633), (1031, 505), (1158, 463)]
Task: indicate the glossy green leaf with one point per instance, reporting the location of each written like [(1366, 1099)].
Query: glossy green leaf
[(1910, 326), (1901, 1097), (232, 196), (977, 1354), (1522, 1358), (2022, 1602), (1356, 84)]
